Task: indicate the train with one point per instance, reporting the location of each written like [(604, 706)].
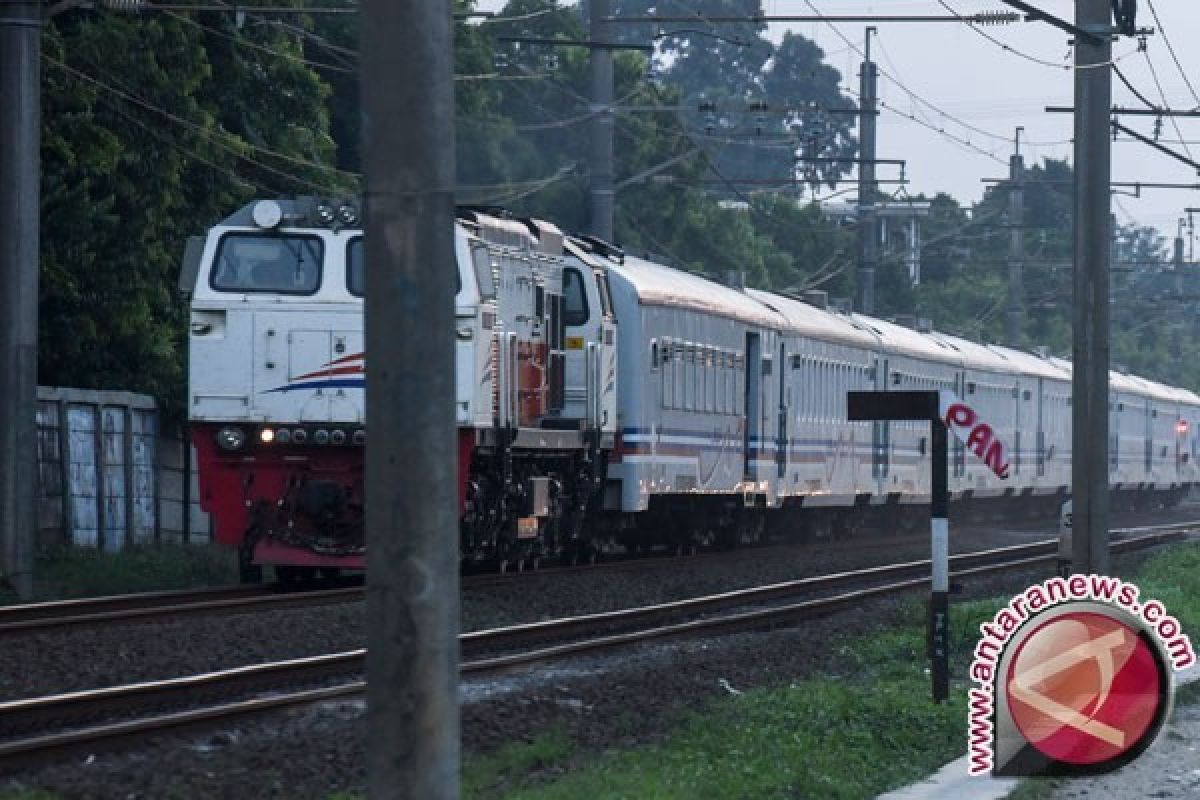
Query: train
[(608, 403)]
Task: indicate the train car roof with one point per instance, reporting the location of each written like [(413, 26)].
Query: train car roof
[(976, 355), (659, 285), (1031, 364), (816, 323), (1160, 391), (900, 340)]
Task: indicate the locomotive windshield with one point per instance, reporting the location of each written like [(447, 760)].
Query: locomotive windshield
[(249, 262)]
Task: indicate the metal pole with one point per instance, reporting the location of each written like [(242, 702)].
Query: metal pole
[(939, 601), (407, 95), (868, 239), (1016, 246), (601, 189), (20, 173), (1089, 441)]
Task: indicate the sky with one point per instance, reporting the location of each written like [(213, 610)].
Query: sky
[(954, 79)]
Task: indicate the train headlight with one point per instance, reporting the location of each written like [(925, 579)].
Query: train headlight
[(266, 435), (321, 437), (1181, 427), (360, 437), (347, 214), (338, 437), (231, 438), (283, 436), (267, 214), (325, 214), (299, 436)]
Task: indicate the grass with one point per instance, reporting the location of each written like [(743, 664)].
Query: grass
[(78, 572), (866, 730), (822, 737), (514, 764), (1173, 577)]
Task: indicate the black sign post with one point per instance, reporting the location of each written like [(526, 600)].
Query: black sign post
[(923, 406)]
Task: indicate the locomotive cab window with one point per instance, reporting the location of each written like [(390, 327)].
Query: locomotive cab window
[(354, 268), (254, 262), (356, 276), (575, 298)]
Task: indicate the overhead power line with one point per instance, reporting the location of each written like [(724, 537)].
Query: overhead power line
[(218, 137), (981, 18), (936, 109), (1171, 49), (1163, 95), (1133, 88)]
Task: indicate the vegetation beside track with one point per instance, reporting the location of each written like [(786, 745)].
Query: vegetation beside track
[(75, 572), (869, 728)]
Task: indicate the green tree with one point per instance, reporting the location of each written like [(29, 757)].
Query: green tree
[(154, 127)]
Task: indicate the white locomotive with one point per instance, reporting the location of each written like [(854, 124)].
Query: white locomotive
[(715, 412)]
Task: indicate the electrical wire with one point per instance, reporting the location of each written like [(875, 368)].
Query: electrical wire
[(918, 98), (242, 181), (517, 191), (1171, 49), (964, 142), (1006, 47), (1134, 89), (1163, 95), (244, 42), (218, 137)]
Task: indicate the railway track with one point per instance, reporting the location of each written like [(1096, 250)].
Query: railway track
[(169, 605), (59, 614), (52, 726)]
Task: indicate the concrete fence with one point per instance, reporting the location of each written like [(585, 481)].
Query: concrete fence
[(108, 477)]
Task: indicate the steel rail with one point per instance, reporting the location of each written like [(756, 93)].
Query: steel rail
[(87, 705), (172, 604), (164, 605)]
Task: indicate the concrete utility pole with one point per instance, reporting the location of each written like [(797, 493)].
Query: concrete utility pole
[(1015, 319), (407, 94), (603, 117), (1093, 173), (868, 239), (20, 143)]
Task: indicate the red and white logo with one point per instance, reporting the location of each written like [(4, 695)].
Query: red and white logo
[(1084, 688), (1072, 677)]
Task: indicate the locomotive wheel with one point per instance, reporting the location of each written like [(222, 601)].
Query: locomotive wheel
[(248, 571), (291, 575)]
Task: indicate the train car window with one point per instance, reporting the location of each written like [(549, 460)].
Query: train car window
[(731, 386), (356, 276), (714, 375), (576, 297), (719, 383), (254, 262), (670, 367)]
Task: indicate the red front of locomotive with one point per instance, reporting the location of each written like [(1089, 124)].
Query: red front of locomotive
[(292, 495)]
